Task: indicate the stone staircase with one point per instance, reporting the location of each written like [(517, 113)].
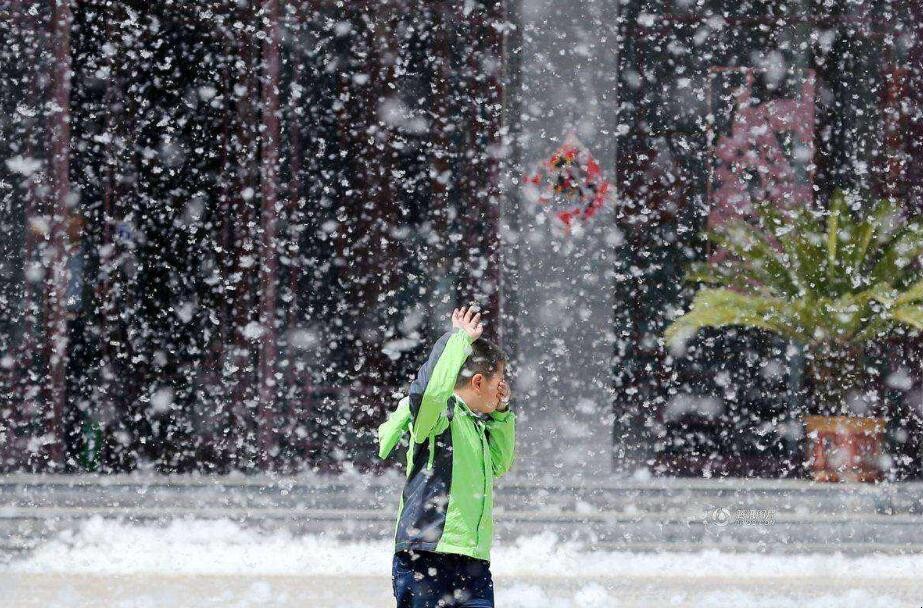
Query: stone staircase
[(660, 514)]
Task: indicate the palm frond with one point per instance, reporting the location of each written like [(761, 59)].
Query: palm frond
[(879, 225), (804, 242), (726, 273), (911, 295), (813, 278), (898, 254), (909, 315), (723, 307), (757, 255)]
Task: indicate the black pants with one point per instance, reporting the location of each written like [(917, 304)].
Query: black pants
[(423, 579)]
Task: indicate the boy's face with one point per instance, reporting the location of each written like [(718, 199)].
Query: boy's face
[(487, 390)]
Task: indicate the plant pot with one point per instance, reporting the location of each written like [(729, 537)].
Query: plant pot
[(845, 448)]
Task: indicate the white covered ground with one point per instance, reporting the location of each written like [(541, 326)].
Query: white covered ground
[(219, 563)]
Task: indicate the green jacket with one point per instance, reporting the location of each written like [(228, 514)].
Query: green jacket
[(452, 459)]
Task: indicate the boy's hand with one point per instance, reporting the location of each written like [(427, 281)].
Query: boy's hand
[(465, 318), (503, 392)]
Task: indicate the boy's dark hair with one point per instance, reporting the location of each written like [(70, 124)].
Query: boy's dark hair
[(485, 359)]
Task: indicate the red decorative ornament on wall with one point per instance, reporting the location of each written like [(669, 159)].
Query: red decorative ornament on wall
[(569, 184)]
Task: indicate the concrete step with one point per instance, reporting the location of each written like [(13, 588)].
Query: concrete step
[(606, 527), (373, 493), (619, 514)]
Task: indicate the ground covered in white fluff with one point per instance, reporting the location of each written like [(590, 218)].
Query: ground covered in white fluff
[(220, 563)]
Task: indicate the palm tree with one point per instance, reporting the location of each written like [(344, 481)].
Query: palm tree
[(831, 281)]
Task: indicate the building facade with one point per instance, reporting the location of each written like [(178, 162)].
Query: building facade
[(232, 231)]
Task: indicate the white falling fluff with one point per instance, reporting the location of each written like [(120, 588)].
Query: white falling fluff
[(533, 571), (104, 546)]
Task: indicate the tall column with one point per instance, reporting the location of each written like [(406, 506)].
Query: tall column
[(510, 168), (479, 277), (269, 169), (914, 129), (59, 130)]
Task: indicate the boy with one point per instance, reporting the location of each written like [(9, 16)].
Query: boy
[(462, 436)]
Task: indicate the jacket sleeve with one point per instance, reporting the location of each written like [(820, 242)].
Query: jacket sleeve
[(501, 438), (391, 430), (435, 382)]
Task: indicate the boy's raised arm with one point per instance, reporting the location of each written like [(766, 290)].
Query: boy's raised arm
[(435, 381)]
